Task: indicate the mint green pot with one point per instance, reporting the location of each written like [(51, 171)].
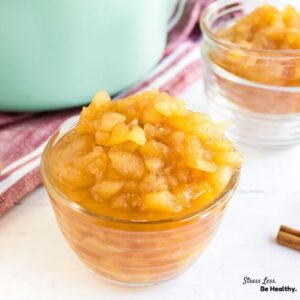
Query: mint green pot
[(58, 53)]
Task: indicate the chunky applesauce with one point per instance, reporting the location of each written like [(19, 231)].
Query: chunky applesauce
[(262, 47), (266, 28), (266, 32), (139, 185), (145, 157)]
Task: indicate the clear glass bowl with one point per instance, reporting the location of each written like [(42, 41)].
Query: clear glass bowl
[(250, 87), (132, 252)]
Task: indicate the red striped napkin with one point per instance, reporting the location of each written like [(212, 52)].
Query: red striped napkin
[(23, 136)]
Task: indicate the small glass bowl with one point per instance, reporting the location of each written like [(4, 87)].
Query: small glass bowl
[(132, 252), (266, 109)]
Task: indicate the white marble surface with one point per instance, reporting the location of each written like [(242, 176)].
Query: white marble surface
[(36, 263)]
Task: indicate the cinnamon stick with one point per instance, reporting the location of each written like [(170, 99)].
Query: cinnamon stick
[(289, 237)]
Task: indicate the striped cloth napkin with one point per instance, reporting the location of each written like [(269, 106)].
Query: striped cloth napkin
[(24, 135)]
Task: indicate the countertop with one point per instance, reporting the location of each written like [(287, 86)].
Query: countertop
[(36, 262)]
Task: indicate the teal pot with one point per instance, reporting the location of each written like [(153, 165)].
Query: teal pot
[(57, 54)]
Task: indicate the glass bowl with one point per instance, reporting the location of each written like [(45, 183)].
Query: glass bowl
[(132, 252), (256, 89)]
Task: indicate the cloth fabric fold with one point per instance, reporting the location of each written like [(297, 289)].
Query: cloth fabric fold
[(24, 135)]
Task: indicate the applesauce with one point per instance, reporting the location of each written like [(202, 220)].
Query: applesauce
[(139, 185), (251, 60)]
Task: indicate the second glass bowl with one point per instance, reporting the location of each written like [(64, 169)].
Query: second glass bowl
[(265, 114)]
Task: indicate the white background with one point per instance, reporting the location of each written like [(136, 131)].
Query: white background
[(37, 264)]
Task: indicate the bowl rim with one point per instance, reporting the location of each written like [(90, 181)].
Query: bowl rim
[(68, 126)]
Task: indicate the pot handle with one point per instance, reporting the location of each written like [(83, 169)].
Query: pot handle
[(176, 9)]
